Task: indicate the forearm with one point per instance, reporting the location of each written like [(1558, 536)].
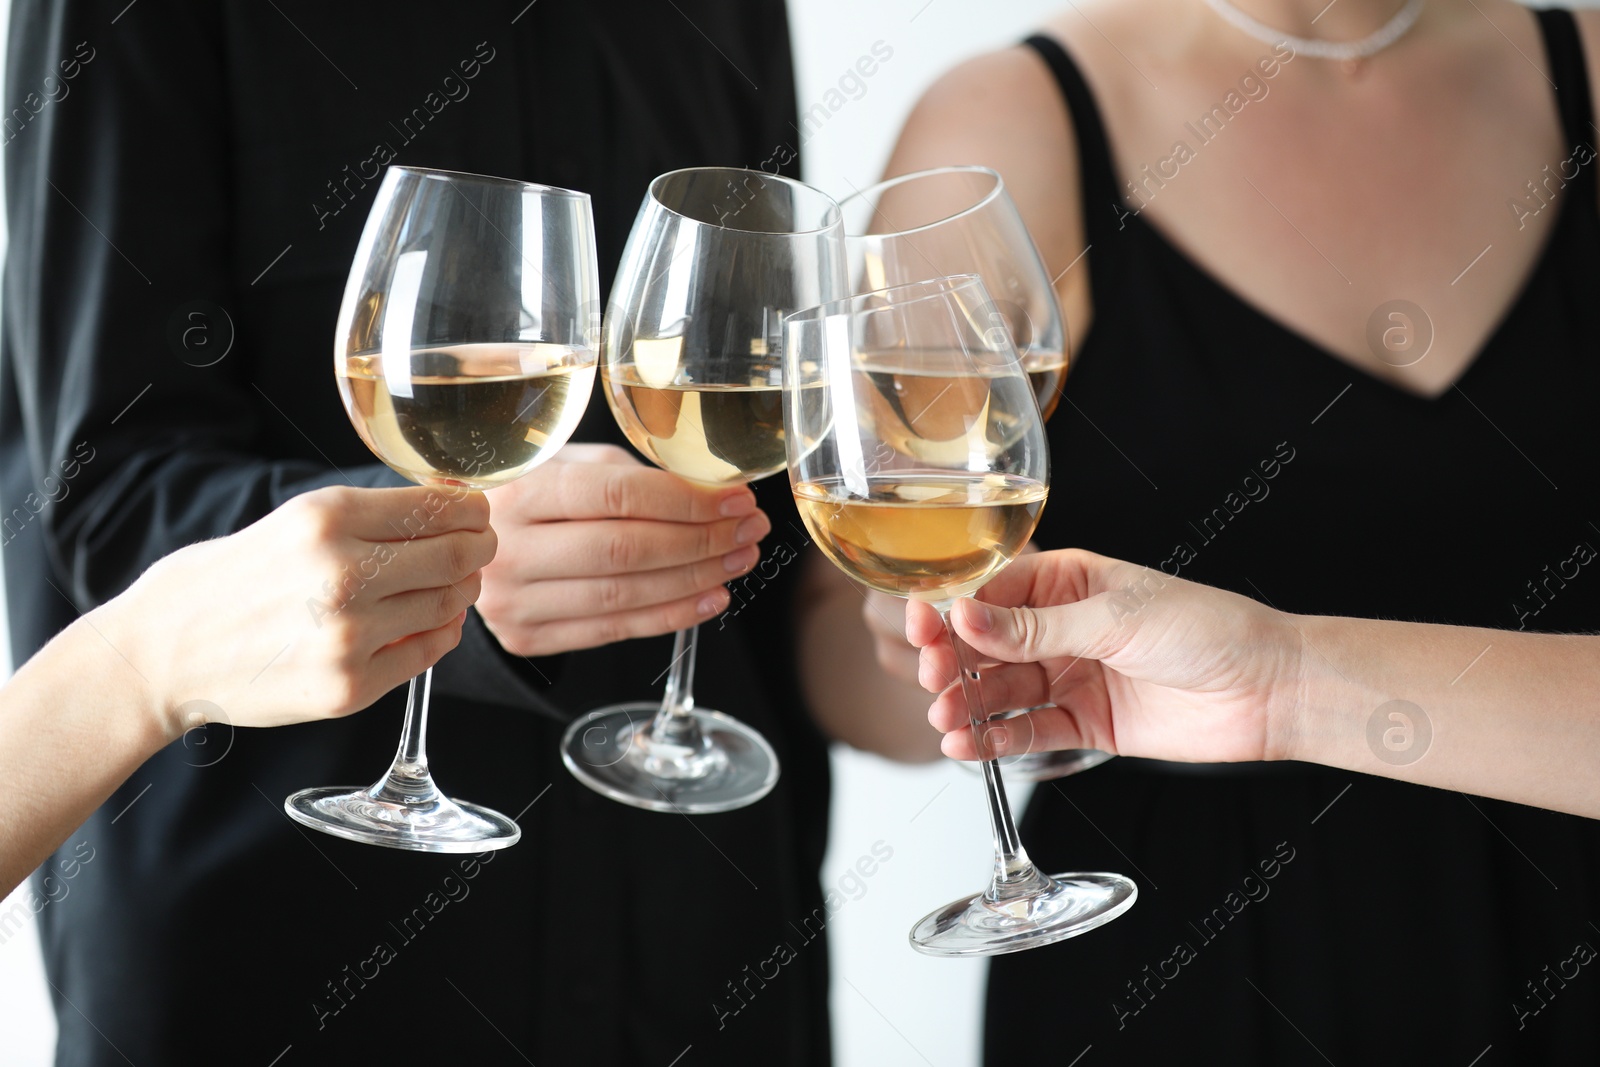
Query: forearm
[(1508, 715), (851, 697), (74, 724)]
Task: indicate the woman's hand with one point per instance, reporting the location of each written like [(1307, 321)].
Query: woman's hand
[(596, 547), (1135, 662), (316, 610)]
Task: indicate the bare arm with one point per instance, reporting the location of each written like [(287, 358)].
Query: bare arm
[(1522, 723), (1004, 111), (250, 630), (1147, 665)]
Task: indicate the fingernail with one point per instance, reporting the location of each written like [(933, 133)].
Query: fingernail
[(751, 529), (741, 503), (979, 618), (740, 559), (711, 603)]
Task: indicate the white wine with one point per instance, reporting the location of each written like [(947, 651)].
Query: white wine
[(933, 416), (1046, 373), (713, 433), (473, 415), (926, 535)]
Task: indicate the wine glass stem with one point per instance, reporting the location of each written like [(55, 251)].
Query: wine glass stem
[(408, 780), (673, 724), (1014, 874)]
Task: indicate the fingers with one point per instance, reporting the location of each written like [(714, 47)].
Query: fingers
[(397, 567), (390, 514), (515, 604), (406, 658), (1063, 576), (1006, 687), (1027, 635), (923, 625), (419, 610), (1040, 730), (621, 546), (565, 635), (615, 490)]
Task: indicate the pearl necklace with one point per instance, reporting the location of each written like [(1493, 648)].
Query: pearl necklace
[(1371, 45)]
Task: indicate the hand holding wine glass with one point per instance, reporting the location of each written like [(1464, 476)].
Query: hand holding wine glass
[(464, 357), (596, 547), (1129, 660), (918, 462), (692, 373), (961, 220)]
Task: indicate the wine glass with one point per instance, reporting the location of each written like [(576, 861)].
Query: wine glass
[(961, 220), (919, 464), (464, 355), (692, 372)]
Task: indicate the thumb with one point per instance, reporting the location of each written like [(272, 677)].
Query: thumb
[(1027, 635)]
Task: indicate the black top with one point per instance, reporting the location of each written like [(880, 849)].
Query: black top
[(1292, 910), (166, 158)]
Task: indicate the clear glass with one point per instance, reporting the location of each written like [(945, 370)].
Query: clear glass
[(690, 358), (464, 353), (961, 220), (919, 463)]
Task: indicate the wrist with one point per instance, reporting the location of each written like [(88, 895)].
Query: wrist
[(1290, 690), (1323, 721), (112, 639)]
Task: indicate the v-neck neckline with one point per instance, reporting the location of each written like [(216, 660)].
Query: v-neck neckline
[(1485, 348)]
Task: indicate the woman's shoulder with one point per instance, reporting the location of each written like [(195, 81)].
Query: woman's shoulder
[(1003, 109)]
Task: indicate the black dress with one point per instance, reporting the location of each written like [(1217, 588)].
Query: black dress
[(172, 159), (1290, 914)]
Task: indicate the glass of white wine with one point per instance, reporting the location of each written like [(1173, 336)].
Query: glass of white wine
[(919, 463), (692, 372), (961, 220), (464, 355)]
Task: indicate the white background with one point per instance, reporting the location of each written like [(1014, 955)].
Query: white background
[(890, 1004)]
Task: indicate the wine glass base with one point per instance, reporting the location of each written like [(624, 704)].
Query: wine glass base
[(610, 751), (1073, 904), (434, 825)]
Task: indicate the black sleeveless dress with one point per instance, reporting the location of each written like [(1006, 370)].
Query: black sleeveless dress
[(1291, 914)]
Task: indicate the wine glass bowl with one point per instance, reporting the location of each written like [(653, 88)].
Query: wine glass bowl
[(464, 354), (691, 370), (920, 468), (961, 220)]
